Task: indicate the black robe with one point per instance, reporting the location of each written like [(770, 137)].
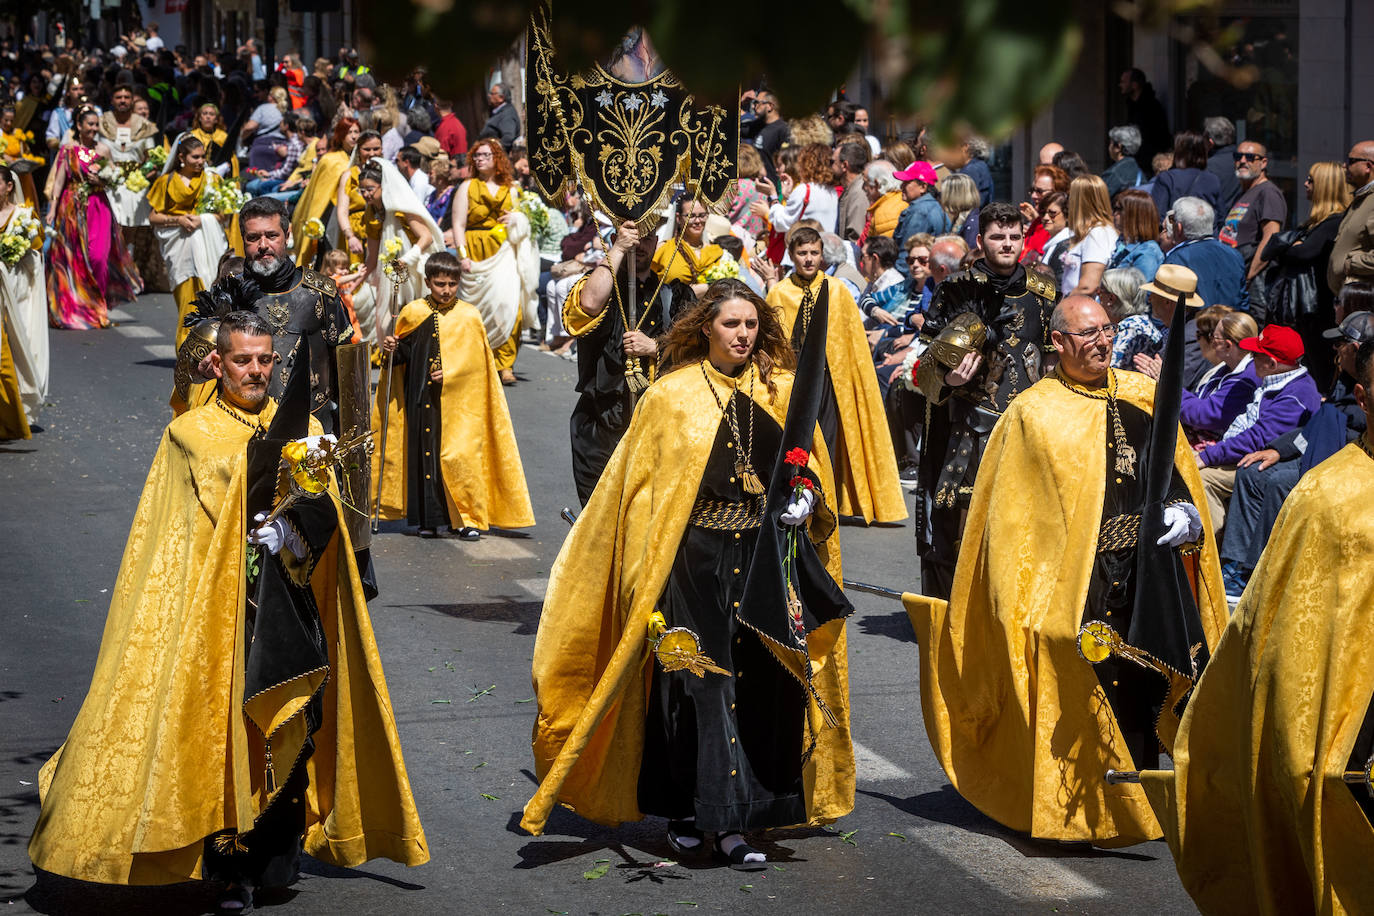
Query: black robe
[(426, 502)]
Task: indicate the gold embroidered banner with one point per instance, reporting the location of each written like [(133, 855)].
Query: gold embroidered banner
[(624, 133)]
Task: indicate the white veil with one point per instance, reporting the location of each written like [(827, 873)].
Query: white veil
[(198, 254)]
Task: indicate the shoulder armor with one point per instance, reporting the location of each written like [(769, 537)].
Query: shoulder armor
[(1041, 286), (318, 282)]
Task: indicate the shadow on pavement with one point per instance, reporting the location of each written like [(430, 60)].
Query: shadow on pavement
[(946, 806), (499, 609), (894, 626)]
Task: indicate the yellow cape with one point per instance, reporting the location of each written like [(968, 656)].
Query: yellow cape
[(590, 671), (319, 193), (1255, 812), (679, 262), (866, 471), (1015, 716), (483, 477), (161, 754), (173, 193), (14, 423)]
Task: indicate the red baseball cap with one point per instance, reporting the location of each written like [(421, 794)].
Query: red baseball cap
[(920, 171), (1276, 341)]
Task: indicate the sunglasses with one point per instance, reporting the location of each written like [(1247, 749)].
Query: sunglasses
[(1351, 160), (918, 260), (1247, 157)]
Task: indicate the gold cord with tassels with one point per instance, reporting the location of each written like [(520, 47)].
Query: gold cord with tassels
[(744, 467)]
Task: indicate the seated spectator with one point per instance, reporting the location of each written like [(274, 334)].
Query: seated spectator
[(1122, 294), (959, 199), (1229, 387), (1144, 335), (1187, 241), (1188, 176), (1136, 218), (923, 212), (1058, 233), (1285, 399), (1266, 477), (947, 255), (920, 286), (1356, 296), (1046, 180), (1159, 164), (885, 198), (1124, 172), (886, 292), (836, 253)]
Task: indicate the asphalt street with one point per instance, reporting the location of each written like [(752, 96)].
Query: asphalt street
[(456, 624)]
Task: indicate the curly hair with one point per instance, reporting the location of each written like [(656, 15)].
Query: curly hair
[(684, 343), (501, 173), (811, 129), (813, 164)]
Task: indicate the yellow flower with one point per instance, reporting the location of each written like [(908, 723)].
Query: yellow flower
[(136, 182), (394, 247), (294, 451), (314, 229)]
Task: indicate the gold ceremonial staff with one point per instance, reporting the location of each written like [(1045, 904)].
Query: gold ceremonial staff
[(399, 273), (1349, 777)]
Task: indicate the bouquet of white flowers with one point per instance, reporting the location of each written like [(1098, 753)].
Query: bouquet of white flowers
[(534, 208), (725, 268), (223, 198), (907, 371), (110, 173), (18, 238)]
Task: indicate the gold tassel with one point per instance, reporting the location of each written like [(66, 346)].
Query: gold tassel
[(230, 844), (635, 379), (752, 485)]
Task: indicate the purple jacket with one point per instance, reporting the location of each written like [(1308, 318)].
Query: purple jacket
[(1221, 400), (1280, 411)]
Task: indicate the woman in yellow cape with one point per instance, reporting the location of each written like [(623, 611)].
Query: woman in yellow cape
[(1016, 717), (450, 445), (162, 754), (687, 254), (1257, 810), (865, 464), (670, 529), (210, 130), (321, 190), (192, 242)]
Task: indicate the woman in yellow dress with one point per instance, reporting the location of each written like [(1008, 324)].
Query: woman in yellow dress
[(686, 255), (322, 188), (209, 129), (192, 243), (496, 251), (349, 204)]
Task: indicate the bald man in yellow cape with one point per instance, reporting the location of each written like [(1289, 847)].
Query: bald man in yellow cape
[(166, 752), (1256, 811), (1019, 721), (472, 452), (592, 660), (865, 464)]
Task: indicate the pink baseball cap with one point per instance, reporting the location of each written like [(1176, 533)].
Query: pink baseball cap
[(920, 171)]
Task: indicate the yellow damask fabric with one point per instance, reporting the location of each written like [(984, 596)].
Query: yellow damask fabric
[(866, 469), (591, 656), (14, 423), (1255, 811), (319, 193), (1016, 717), (484, 479), (484, 214), (674, 261), (161, 754)]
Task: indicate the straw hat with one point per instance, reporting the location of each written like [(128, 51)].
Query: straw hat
[(1174, 280)]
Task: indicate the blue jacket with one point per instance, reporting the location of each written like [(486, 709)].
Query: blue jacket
[(1220, 271), (1145, 256), (924, 214), (981, 174), (1281, 410)]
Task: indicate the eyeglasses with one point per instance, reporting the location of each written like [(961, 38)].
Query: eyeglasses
[(1248, 157), (1108, 332), (695, 217)]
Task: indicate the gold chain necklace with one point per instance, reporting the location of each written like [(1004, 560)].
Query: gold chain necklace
[(808, 303), (1125, 452), (744, 466)]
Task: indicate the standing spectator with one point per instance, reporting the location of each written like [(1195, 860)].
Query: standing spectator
[(1056, 226), (839, 114), (1188, 176), (861, 122), (450, 132), (885, 201), (1160, 164), (900, 154), (1298, 294), (1221, 144), (1187, 241), (771, 133), (1144, 110), (1045, 180), (1048, 152), (410, 164), (417, 125), (806, 192), (154, 42), (1259, 213), (1124, 172), (923, 212), (1285, 399), (847, 163), (741, 213), (1094, 237), (1352, 257), (975, 153), (504, 123), (1072, 164), (959, 199), (1137, 221)]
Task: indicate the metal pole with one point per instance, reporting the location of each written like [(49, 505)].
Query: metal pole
[(385, 384)]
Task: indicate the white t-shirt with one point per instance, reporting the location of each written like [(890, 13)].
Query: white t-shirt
[(1094, 248), (155, 43)]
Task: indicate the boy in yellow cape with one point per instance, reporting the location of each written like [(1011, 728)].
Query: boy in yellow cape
[(852, 419), (451, 457), (238, 701)]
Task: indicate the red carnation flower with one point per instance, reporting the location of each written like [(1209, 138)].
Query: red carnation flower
[(797, 456), (802, 483)]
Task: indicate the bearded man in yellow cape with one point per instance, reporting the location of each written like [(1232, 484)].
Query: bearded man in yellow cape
[(451, 456), (1262, 810), (1024, 727), (748, 726), (238, 701), (852, 418)]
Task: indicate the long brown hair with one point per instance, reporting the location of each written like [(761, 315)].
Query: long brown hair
[(684, 344), (1139, 216)]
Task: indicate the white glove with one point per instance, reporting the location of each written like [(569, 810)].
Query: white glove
[(275, 536), (1183, 524), (412, 256), (799, 509), (221, 170), (315, 446)]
